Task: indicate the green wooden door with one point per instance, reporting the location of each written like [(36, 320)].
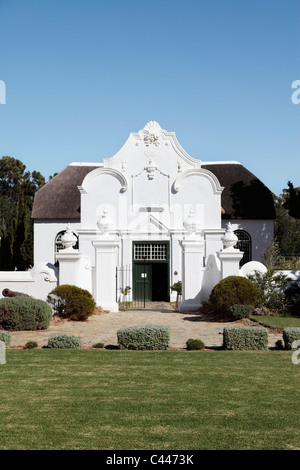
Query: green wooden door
[(142, 281)]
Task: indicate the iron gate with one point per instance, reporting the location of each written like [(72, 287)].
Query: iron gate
[(131, 287)]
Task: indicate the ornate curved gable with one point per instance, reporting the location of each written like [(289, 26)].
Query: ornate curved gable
[(152, 143)]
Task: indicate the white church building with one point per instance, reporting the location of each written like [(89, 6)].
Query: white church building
[(146, 218)]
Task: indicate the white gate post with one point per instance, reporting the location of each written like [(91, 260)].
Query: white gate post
[(69, 260), (105, 273), (230, 257), (192, 272), (69, 267)]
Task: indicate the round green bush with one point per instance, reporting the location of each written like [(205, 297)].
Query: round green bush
[(75, 303), (98, 346), (231, 291), (24, 313), (194, 344), (31, 345), (64, 342)]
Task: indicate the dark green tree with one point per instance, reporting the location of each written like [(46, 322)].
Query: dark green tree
[(292, 201), (287, 225), (17, 189)]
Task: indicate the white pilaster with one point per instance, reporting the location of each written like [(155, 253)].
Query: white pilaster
[(105, 273), (69, 267), (230, 257), (192, 271), (230, 262)]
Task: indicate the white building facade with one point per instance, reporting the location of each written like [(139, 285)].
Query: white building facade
[(148, 217)]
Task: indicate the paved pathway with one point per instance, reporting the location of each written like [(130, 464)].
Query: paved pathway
[(103, 327)]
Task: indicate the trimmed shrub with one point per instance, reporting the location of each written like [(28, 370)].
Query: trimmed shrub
[(241, 311), (144, 337), (245, 338), (98, 346), (24, 313), (64, 342), (31, 345), (5, 336), (290, 335), (75, 303), (231, 291), (194, 344)]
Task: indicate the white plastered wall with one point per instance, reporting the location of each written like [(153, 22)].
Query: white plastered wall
[(261, 232), (45, 232)]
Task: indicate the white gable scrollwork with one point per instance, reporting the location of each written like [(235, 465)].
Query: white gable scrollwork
[(103, 171), (216, 187), (151, 133), (152, 141)]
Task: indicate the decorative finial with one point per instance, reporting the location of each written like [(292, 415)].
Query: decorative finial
[(68, 239), (229, 239)]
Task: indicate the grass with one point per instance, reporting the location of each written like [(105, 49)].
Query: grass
[(144, 400), (276, 321)]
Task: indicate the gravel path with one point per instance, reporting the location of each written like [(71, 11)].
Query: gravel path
[(102, 327)]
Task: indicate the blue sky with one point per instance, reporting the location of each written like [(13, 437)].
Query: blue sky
[(81, 75)]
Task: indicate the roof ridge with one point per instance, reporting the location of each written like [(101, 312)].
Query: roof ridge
[(231, 162)]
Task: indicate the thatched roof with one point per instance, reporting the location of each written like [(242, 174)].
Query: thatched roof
[(244, 195), (60, 197)]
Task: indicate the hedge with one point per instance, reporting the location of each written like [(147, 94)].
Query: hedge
[(290, 335), (143, 337), (24, 313), (64, 342), (245, 338), (241, 311)]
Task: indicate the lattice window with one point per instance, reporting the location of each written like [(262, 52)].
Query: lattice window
[(150, 251), (245, 245)]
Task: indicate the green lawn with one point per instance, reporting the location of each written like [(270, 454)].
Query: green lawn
[(149, 400), (276, 321)]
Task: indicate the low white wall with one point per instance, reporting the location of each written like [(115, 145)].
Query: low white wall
[(293, 275), (37, 282)]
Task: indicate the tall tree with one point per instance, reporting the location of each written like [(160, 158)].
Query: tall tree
[(17, 189), (292, 201), (287, 225)]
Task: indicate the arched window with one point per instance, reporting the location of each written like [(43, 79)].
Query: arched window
[(244, 244), (59, 246)]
